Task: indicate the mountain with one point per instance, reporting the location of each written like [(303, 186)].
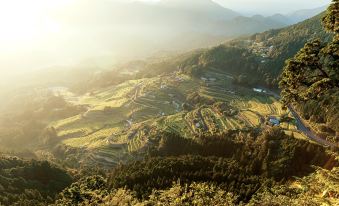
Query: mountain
[(197, 128), (304, 14), (281, 18), (266, 52), (139, 29), (202, 7), (293, 17)]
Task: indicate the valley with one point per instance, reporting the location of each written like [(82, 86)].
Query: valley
[(250, 121), (123, 120)]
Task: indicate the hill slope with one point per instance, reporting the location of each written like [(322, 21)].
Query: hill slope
[(30, 182), (265, 52)]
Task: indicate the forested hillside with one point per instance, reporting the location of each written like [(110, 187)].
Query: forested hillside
[(310, 79), (30, 183), (255, 60), (238, 168), (259, 59)]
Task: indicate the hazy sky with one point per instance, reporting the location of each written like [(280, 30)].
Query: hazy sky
[(271, 6), (31, 34), (268, 7)]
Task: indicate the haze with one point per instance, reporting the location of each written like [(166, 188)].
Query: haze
[(269, 7), (37, 34)]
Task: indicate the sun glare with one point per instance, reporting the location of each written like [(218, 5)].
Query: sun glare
[(24, 23)]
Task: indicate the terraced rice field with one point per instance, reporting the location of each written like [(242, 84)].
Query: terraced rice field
[(119, 118)]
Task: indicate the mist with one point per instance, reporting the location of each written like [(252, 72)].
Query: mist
[(38, 35)]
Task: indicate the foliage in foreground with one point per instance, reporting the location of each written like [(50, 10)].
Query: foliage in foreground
[(245, 165), (321, 187), (313, 71), (30, 182)]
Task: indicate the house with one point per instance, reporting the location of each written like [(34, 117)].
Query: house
[(258, 90), (274, 121)]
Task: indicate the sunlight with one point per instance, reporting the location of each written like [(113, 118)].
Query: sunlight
[(25, 23)]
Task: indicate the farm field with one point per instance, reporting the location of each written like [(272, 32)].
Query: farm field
[(120, 118)]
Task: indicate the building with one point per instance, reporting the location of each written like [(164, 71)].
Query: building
[(259, 90), (274, 121)]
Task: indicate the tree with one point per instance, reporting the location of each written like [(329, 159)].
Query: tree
[(330, 21), (314, 70)]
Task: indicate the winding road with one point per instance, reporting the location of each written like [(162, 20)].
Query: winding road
[(302, 127), (311, 135)]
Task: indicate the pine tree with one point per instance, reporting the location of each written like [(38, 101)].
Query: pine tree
[(314, 71)]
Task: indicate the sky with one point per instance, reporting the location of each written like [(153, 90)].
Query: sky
[(268, 7)]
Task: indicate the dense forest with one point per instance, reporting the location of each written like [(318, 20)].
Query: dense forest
[(242, 173), (310, 80), (30, 183)]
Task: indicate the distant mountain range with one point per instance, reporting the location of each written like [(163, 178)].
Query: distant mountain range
[(140, 29), (304, 14)]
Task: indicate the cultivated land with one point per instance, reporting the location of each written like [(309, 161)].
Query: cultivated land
[(120, 119)]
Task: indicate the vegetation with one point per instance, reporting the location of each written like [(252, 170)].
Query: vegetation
[(315, 189), (225, 163), (311, 79), (185, 129), (313, 72), (30, 182)]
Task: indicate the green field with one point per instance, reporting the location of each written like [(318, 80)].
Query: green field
[(119, 119)]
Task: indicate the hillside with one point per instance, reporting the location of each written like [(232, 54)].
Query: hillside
[(30, 182), (202, 92), (304, 14), (205, 127), (264, 54), (160, 26)]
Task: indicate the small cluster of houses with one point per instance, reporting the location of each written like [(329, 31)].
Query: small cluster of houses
[(262, 50), (258, 90)]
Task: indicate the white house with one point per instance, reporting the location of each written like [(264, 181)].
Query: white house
[(258, 90)]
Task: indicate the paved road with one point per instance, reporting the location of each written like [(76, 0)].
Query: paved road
[(311, 135), (302, 127)]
